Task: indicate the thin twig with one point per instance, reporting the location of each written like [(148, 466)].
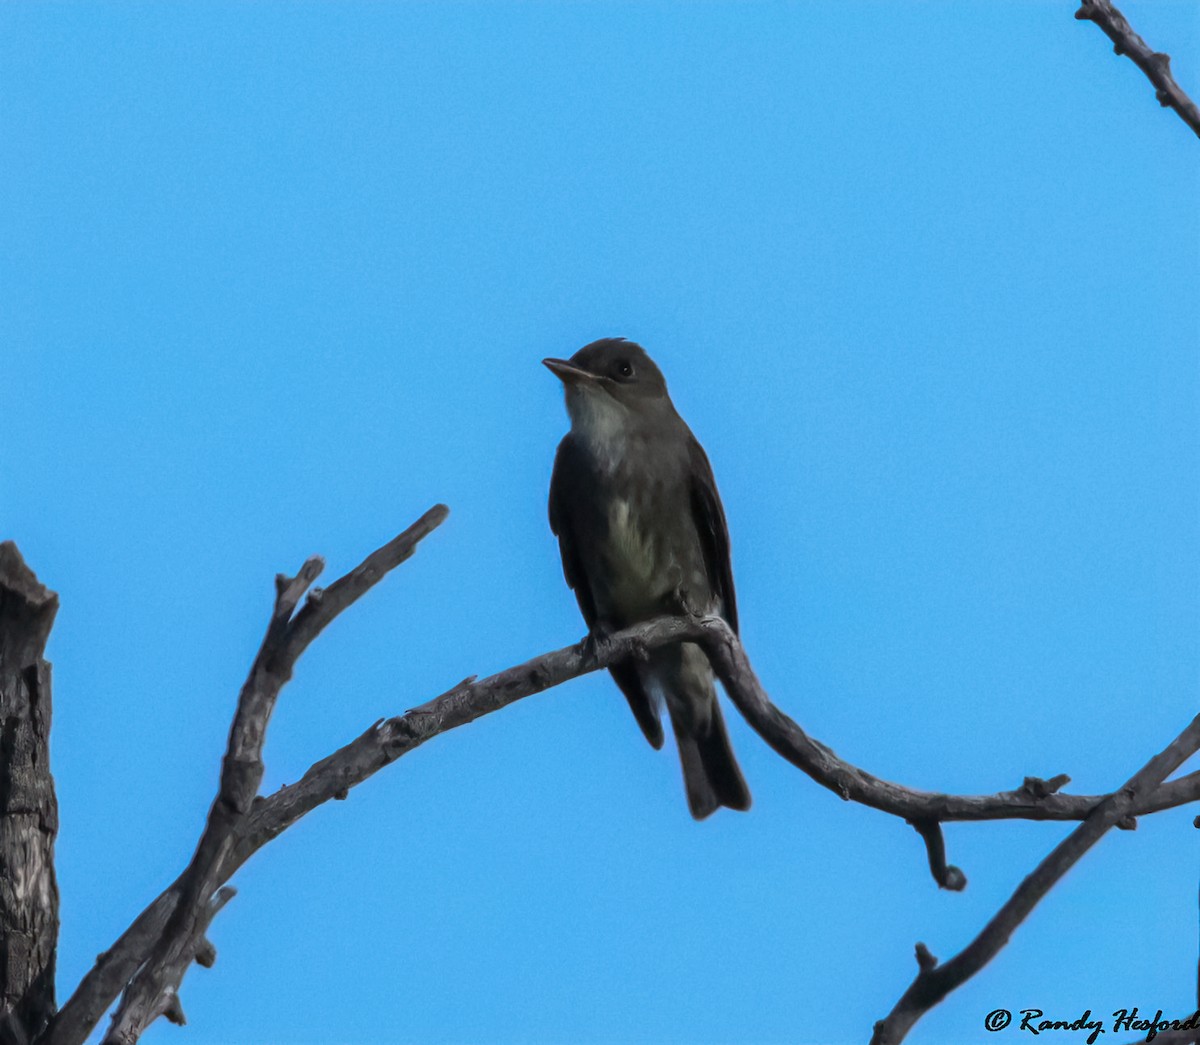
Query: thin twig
[(946, 875), (934, 982), (1155, 64)]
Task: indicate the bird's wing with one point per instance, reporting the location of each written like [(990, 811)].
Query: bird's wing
[(568, 472), (714, 534)]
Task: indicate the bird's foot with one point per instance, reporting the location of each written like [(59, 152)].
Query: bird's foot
[(596, 638), (681, 604)]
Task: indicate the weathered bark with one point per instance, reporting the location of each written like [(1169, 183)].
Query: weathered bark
[(28, 807), (1155, 64)]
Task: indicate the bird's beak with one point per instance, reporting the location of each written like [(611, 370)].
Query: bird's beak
[(568, 373)]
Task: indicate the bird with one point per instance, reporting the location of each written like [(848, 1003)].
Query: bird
[(642, 532)]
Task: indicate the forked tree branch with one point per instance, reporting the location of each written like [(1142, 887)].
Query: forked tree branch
[(1155, 64), (934, 981), (154, 988), (387, 740)]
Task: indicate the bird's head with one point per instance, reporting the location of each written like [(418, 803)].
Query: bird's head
[(608, 372)]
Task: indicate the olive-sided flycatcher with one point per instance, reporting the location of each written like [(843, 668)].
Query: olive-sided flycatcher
[(642, 532)]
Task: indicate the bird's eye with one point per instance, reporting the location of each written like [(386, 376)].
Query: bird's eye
[(625, 369)]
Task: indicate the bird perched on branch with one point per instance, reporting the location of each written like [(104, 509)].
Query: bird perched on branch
[(642, 532)]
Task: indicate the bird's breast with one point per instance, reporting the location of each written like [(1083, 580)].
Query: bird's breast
[(631, 546), (649, 552)]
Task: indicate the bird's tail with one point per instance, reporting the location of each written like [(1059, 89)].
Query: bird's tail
[(711, 774)]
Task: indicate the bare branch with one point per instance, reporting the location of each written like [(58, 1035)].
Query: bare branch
[(201, 951), (1028, 802), (153, 991), (1155, 64), (331, 778), (934, 982), (389, 739)]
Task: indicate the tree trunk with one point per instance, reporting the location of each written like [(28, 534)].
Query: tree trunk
[(28, 807)]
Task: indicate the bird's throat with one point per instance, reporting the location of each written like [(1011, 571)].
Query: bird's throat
[(600, 423)]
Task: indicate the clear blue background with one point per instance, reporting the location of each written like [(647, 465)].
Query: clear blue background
[(923, 279)]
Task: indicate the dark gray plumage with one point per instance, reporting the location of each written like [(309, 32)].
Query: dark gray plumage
[(642, 532)]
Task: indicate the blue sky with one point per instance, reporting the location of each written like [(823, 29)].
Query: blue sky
[(922, 278)]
